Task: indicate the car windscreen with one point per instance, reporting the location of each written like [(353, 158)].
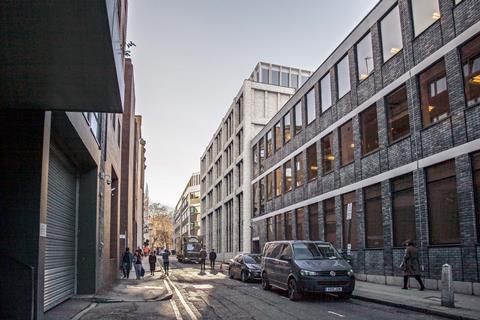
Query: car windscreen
[(328, 251), (312, 251), (252, 259), (193, 247)]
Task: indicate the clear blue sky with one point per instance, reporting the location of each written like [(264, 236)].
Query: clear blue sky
[(192, 56)]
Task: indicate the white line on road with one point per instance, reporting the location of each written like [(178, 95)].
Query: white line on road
[(337, 314), (178, 316), (182, 300)]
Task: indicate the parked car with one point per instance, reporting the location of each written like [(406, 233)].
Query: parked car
[(306, 267), (245, 266)]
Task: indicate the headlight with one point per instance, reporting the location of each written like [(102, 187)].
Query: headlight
[(307, 273), (350, 272)]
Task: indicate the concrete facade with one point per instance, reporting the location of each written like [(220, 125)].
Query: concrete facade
[(225, 165), (186, 216), (454, 137)]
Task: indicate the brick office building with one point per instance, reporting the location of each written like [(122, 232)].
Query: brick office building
[(390, 124)]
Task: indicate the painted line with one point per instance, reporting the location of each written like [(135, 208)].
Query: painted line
[(337, 314), (84, 311), (175, 310), (182, 300)]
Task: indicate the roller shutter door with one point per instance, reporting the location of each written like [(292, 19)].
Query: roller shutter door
[(60, 252)]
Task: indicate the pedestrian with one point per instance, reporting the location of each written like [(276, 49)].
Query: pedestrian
[(166, 262), (411, 265), (152, 260), (127, 260), (203, 257), (138, 264), (212, 256)]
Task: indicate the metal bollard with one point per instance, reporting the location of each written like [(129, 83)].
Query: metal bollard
[(447, 287)]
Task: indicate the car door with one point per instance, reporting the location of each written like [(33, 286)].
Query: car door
[(234, 266), (284, 265), (274, 275)]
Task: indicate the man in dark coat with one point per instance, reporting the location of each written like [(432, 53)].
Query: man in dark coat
[(127, 259), (203, 257), (212, 256), (166, 262), (411, 265)]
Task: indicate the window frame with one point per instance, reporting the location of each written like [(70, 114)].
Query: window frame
[(392, 141), (362, 131), (396, 6), (308, 166), (327, 138), (412, 20), (323, 108), (344, 58), (341, 141), (308, 120), (359, 79)]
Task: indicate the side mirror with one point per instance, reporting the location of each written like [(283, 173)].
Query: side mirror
[(285, 258)]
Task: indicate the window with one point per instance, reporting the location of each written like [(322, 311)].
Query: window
[(294, 79), (425, 13), (433, 94), (261, 147), (471, 70), (284, 79), (312, 165), (269, 229), (349, 225), (300, 219), (278, 181), (373, 217), (313, 222), (303, 79), (269, 186), (269, 139), (476, 187), (325, 92), (255, 160), (262, 195), (287, 135), (279, 227), (343, 77), (391, 34), (330, 221), (240, 173), (397, 113), (442, 203), (288, 175), (327, 153), (347, 147), (403, 209), (365, 57), (369, 127), (276, 77), (298, 117), (299, 170), (458, 1), (310, 102), (288, 225), (278, 136), (264, 75), (256, 199)]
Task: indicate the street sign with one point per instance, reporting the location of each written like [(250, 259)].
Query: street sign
[(349, 211), (122, 236)]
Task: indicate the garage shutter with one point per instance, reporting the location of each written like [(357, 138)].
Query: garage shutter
[(61, 225)]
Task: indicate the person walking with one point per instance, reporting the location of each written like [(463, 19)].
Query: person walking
[(127, 259), (212, 257), (166, 262), (411, 265), (138, 264), (203, 257), (152, 260)]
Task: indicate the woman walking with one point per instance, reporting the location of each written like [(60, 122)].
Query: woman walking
[(152, 260), (411, 265), (138, 264)]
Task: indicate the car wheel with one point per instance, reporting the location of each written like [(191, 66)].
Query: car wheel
[(243, 276), (293, 293), (345, 296), (265, 284)]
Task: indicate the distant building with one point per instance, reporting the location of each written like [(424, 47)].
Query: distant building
[(186, 216), (225, 167)]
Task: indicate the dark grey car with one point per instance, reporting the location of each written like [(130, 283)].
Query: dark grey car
[(306, 267), (245, 266)]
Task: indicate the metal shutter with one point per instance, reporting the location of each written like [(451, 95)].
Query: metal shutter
[(60, 252)]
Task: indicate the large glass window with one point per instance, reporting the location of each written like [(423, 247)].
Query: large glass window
[(442, 203), (434, 94), (312, 165), (300, 219), (262, 195), (298, 117), (269, 186), (403, 209), (287, 133), (288, 225), (397, 113), (284, 79), (343, 77), (364, 57), (391, 34), (279, 227), (256, 199), (476, 187), (347, 147), (373, 217), (265, 77), (330, 220), (369, 127), (327, 153), (313, 222), (278, 136), (310, 102), (270, 229), (278, 181), (425, 12), (261, 147), (471, 70), (276, 77), (349, 221), (255, 160), (299, 170), (294, 79), (288, 175), (325, 92), (269, 139)]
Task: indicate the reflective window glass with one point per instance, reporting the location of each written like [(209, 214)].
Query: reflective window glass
[(327, 153), (269, 139), (294, 79), (403, 209), (330, 221), (369, 128), (276, 77), (265, 75), (343, 77), (364, 57), (288, 175), (287, 134), (373, 217), (278, 181), (298, 117), (434, 94), (312, 166), (299, 170), (278, 136), (313, 221), (397, 114), (471, 70), (310, 102), (425, 13), (284, 79), (347, 147), (300, 222), (325, 92), (391, 34)]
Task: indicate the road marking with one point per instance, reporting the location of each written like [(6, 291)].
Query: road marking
[(337, 314), (178, 316), (84, 311), (182, 300)]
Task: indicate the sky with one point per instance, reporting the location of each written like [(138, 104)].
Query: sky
[(191, 57)]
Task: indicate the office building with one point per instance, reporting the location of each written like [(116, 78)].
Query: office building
[(186, 216)]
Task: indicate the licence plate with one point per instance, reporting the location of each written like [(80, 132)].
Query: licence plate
[(333, 289)]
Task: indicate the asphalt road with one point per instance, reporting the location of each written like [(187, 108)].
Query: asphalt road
[(213, 295)]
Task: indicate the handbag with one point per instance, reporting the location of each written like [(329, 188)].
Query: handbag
[(142, 272)]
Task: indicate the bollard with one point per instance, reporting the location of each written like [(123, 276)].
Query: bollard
[(447, 287)]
